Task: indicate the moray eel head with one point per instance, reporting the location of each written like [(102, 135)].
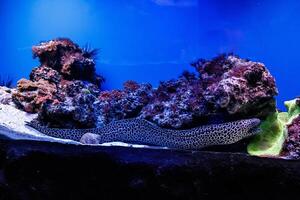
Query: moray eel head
[(251, 127), (236, 130)]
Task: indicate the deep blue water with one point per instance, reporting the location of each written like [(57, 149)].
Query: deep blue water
[(152, 40)]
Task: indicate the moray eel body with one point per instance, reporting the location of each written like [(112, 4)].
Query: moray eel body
[(139, 131)]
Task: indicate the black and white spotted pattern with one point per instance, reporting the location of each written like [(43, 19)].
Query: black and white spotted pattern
[(140, 131)]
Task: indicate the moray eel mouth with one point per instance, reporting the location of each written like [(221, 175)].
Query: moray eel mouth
[(255, 128)]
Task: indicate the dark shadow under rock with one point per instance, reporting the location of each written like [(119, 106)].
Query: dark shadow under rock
[(39, 170)]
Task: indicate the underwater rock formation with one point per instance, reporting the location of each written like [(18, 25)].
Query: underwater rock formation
[(227, 88), (237, 86), (67, 58), (176, 103), (45, 73), (31, 95), (82, 105), (63, 88), (122, 104), (292, 144), (72, 106)]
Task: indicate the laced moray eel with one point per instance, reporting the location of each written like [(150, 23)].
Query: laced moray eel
[(139, 131)]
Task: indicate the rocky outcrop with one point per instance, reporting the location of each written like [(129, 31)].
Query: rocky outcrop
[(63, 88), (227, 88), (45, 73), (72, 107), (122, 104), (238, 86), (76, 101), (79, 105), (176, 103), (68, 59), (30, 95), (291, 147)]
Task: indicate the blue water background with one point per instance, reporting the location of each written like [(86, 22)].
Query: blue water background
[(153, 40)]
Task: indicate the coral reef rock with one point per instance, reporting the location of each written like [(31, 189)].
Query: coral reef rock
[(45, 73), (292, 144), (176, 103), (81, 105), (228, 87), (72, 107), (121, 104), (31, 95), (291, 147), (66, 57), (237, 86), (63, 88)]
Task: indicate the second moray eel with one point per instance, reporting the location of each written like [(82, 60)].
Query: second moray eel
[(139, 131)]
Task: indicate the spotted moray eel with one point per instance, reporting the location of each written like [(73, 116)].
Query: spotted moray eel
[(139, 131)]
